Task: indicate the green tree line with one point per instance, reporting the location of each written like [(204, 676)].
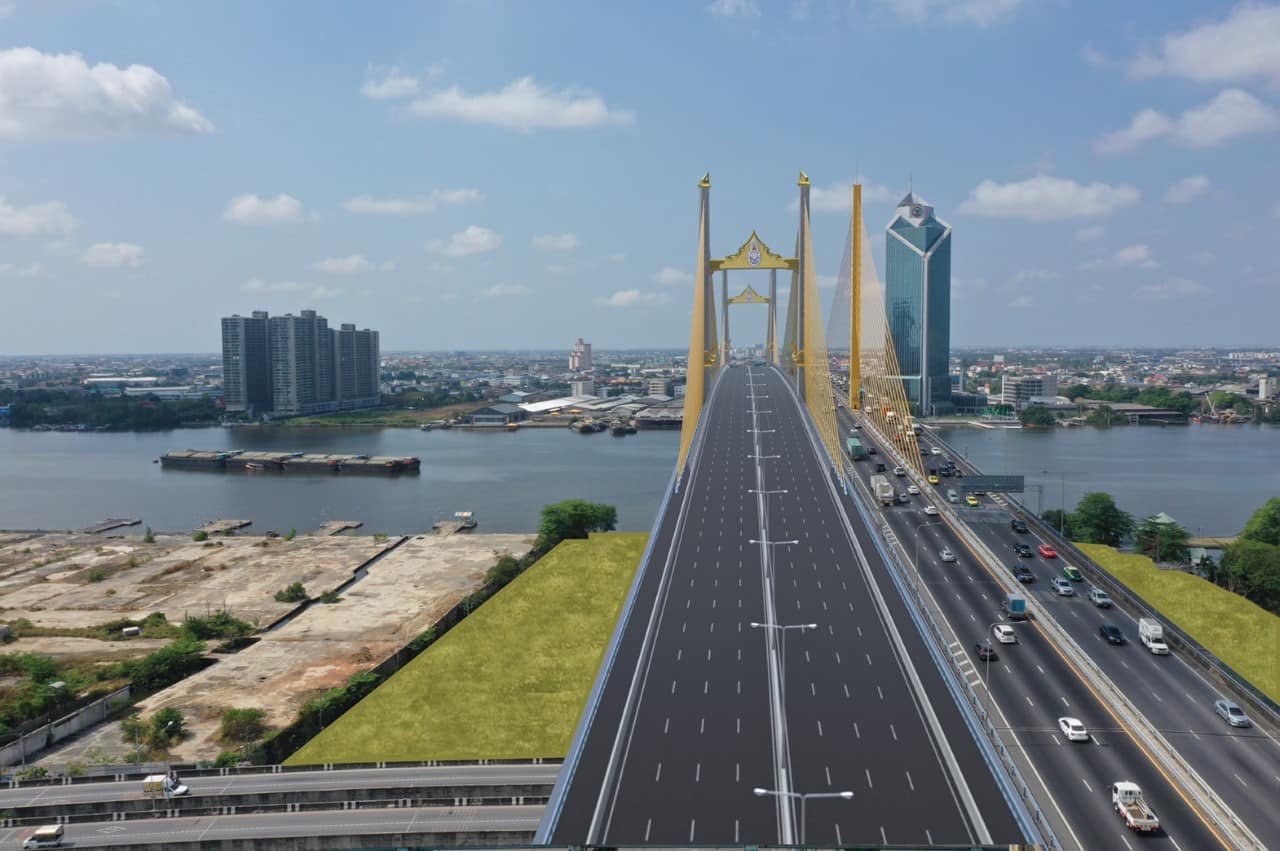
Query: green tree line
[(119, 413)]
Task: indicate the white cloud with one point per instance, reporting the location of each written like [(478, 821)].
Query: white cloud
[(1094, 56), (827, 282), (438, 198), (523, 105), (504, 290), (1187, 190), (441, 268), (838, 197), (253, 210), (669, 276), (557, 269), (633, 298), (326, 292), (1089, 234), (734, 8), (1136, 255), (981, 13), (351, 265), (1174, 288), (617, 257), (384, 82), (1020, 301), (1089, 265), (59, 96), (1025, 275), (1045, 198), (31, 270), (1241, 47), (49, 218), (1232, 113), (556, 242), (473, 240), (113, 255), (257, 285)]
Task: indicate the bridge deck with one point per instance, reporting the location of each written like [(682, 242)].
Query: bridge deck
[(698, 737)]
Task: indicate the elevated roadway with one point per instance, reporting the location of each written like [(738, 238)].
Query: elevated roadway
[(1242, 765), (699, 707), (286, 782), (1033, 683), (400, 827)]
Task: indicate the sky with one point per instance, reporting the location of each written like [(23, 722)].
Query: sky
[(485, 175)]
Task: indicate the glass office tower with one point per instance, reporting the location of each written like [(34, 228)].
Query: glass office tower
[(917, 300)]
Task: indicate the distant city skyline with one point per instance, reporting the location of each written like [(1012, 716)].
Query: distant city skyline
[(466, 176)]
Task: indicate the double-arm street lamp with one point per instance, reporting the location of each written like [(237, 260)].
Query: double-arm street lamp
[(804, 797)]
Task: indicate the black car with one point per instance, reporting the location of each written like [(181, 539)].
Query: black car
[(1111, 633), (879, 468), (1023, 551), (986, 653), (1024, 574), (945, 472), (871, 450), (1018, 525)]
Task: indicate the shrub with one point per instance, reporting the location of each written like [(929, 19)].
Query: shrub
[(148, 538), (167, 726), (200, 535), (220, 624), (228, 759), (293, 533), (295, 593), (242, 725), (330, 596), (97, 575)]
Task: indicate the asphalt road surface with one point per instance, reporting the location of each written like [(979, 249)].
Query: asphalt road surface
[(1032, 685), (287, 781), (701, 736), (283, 825), (1242, 765)]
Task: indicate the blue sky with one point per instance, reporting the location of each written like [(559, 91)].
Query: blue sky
[(486, 175)]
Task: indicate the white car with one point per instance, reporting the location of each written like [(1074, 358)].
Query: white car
[(1063, 587), (913, 490), (947, 555), (1004, 633), (1073, 729), (935, 451), (931, 511)]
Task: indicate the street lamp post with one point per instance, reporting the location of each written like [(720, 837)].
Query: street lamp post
[(804, 797), (986, 674), (782, 639), (772, 543)]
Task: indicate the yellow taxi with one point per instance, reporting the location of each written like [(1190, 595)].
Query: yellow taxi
[(971, 501), (933, 480)]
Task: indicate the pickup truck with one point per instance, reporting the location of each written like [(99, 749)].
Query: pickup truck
[(1127, 799)]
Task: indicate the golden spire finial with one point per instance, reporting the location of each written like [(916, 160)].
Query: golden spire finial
[(705, 182), (804, 179)]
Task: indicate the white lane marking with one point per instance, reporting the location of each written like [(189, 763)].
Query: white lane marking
[(666, 725), (819, 728), (870, 785), (910, 782), (1086, 784), (697, 773), (1241, 779), (894, 731), (827, 769), (1065, 703), (648, 825), (692, 822), (657, 777), (856, 732)]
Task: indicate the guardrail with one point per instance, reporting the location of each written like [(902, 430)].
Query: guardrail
[(1139, 607)]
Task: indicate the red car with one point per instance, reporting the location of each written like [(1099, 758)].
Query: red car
[(1048, 551)]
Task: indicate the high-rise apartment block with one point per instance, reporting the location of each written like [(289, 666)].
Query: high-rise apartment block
[(1017, 391), (290, 365), (918, 302), (580, 357), (246, 363)]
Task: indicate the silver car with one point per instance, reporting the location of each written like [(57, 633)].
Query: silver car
[(1063, 587), (1231, 713), (947, 555)]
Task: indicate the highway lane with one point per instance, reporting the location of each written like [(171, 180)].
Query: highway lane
[(872, 739), (1243, 766), (1039, 686), (285, 825), (287, 781)]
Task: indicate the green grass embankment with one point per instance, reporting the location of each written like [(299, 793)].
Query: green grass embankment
[(1240, 633), (507, 682)]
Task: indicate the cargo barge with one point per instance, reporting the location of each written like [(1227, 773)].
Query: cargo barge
[(243, 460)]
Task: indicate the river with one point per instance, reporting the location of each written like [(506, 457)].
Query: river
[(1211, 478)]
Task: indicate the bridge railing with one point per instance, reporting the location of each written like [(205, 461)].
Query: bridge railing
[(1192, 650)]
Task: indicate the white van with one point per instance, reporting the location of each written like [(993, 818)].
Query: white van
[(49, 836)]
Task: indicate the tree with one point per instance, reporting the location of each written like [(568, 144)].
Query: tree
[(1060, 520), (167, 665), (1036, 416), (1264, 525), (1076, 391), (1252, 569), (167, 726), (242, 725), (573, 518), (1162, 540), (1097, 520), (1103, 415)]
